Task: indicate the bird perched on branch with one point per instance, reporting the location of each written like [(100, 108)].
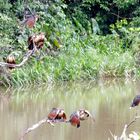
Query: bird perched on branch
[(11, 60), (56, 115), (36, 41), (136, 101), (78, 116), (30, 18)]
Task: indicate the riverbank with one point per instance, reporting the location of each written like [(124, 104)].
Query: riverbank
[(70, 52)]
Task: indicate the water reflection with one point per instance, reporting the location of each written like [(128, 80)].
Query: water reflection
[(108, 101)]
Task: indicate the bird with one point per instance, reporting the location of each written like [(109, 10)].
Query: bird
[(36, 41), (136, 101), (10, 60), (39, 40), (57, 114), (30, 18), (78, 116)]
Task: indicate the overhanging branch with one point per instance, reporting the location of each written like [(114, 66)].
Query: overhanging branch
[(25, 59)]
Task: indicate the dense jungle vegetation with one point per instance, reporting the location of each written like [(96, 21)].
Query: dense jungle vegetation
[(84, 39)]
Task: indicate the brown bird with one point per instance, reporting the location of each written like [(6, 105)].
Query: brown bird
[(10, 60), (78, 116), (29, 18), (136, 101), (36, 41), (57, 114), (75, 119)]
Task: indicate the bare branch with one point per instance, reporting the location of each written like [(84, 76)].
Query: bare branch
[(25, 58), (33, 127), (124, 135), (134, 120), (119, 16)]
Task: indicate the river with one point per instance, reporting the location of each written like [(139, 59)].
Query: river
[(107, 100)]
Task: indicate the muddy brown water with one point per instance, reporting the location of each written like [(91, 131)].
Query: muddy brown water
[(108, 101)]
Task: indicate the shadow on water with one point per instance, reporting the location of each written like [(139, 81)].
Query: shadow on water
[(107, 100)]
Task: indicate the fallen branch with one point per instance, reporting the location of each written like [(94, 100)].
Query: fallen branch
[(134, 120), (25, 58), (35, 42), (124, 135), (33, 127)]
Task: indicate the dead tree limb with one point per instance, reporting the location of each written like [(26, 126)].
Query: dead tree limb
[(25, 59), (35, 42), (124, 135), (34, 126), (134, 120)]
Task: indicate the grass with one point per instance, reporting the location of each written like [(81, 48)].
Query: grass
[(76, 63)]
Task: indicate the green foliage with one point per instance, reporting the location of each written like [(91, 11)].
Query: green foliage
[(77, 50), (105, 12)]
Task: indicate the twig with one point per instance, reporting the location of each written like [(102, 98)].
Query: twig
[(119, 16), (123, 135), (134, 120)]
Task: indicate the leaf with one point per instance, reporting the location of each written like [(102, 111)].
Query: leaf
[(56, 43)]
